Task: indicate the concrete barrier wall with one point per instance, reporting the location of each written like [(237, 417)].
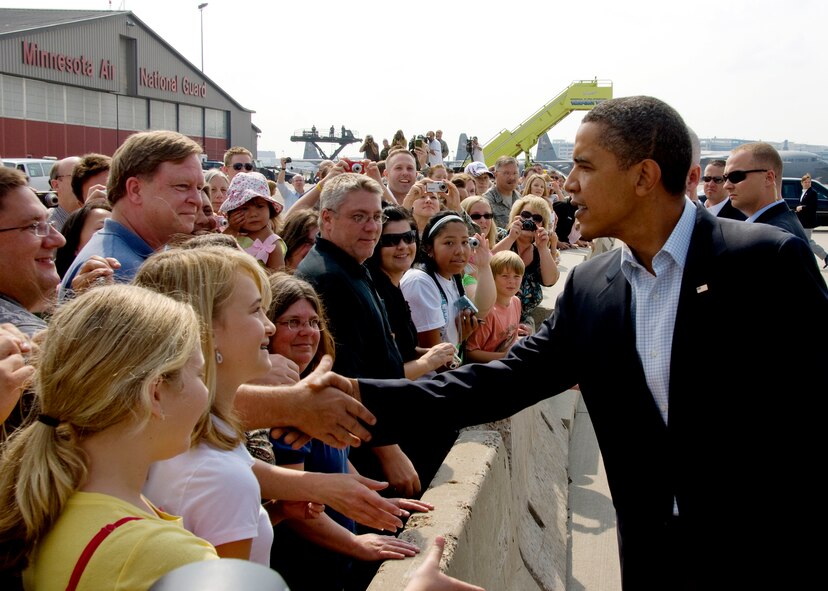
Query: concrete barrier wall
[(501, 502)]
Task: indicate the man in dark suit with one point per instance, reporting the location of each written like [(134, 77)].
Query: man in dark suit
[(718, 201), (709, 473), (753, 178), (807, 213)]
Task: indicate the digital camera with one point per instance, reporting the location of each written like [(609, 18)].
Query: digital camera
[(529, 225), (49, 199), (437, 187), (288, 160), (474, 242), (351, 166), (464, 303)]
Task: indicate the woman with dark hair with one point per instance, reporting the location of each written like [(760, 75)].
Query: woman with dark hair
[(393, 256), (318, 556), (78, 229)]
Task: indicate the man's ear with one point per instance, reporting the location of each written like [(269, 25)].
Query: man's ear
[(132, 189), (647, 176)]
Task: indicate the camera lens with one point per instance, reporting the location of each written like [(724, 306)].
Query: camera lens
[(529, 225), (474, 242)]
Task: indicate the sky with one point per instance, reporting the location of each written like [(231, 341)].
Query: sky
[(732, 68)]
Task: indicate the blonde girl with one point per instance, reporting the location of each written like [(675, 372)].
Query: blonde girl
[(119, 385)]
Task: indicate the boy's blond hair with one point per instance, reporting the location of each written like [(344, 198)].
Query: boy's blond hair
[(507, 260)]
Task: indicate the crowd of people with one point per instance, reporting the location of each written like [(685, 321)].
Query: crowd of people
[(200, 365)]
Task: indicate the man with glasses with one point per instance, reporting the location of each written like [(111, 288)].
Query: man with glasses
[(717, 200), (753, 179), (236, 160), (350, 224), (504, 192), (60, 180), (29, 243)]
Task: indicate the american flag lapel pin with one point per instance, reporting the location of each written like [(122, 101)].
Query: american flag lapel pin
[(701, 288)]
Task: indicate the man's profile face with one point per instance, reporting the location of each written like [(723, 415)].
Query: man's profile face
[(28, 274), (62, 184), (170, 200), (605, 194), (714, 188), (749, 194), (355, 238)]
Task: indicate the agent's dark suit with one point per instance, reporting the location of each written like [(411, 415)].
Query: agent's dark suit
[(808, 214), (740, 448), (731, 213), (781, 216)]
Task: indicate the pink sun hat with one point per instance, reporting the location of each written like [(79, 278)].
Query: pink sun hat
[(246, 186)]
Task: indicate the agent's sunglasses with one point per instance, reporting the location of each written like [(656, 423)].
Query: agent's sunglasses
[(716, 179), (247, 166), (394, 239), (737, 176), (477, 216), (535, 217)]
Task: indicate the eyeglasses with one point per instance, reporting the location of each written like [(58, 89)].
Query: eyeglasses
[(394, 239), (360, 218), (485, 216), (247, 166), (535, 217), (737, 176), (716, 179), (294, 324), (40, 229)]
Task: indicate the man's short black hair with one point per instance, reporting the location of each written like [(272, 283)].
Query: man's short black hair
[(638, 128)]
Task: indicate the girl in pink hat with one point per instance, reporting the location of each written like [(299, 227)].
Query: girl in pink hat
[(250, 210)]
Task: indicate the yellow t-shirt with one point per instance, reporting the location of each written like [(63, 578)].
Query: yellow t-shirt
[(133, 556)]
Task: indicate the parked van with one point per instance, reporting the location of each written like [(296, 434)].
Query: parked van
[(36, 170)]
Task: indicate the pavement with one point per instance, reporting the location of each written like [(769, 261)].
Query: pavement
[(592, 558)]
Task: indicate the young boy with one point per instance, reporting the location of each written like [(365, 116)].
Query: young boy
[(502, 327)]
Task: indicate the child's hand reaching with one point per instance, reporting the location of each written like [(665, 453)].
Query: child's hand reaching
[(235, 220)]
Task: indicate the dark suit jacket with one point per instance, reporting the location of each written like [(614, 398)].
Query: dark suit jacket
[(356, 316), (742, 441), (781, 216), (731, 213), (808, 215)]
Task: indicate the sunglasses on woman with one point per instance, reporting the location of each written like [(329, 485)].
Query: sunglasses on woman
[(394, 239), (535, 217), (477, 216)]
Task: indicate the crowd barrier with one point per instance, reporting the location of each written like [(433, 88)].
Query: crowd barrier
[(500, 500)]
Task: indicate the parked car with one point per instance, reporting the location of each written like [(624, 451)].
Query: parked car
[(792, 191), (36, 170)]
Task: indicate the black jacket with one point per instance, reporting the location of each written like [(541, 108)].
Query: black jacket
[(741, 442), (365, 346)]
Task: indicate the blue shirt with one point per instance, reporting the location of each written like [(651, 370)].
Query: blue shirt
[(654, 304), (116, 241)]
